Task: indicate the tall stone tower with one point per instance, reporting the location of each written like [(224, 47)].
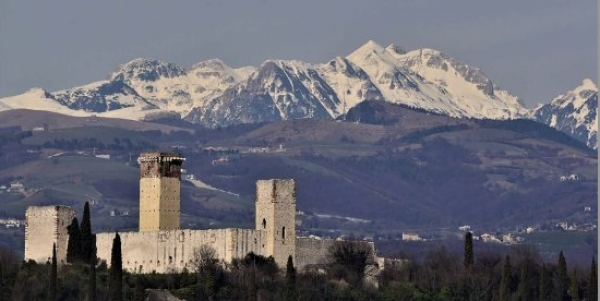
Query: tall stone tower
[(160, 179), (44, 226), (276, 214)]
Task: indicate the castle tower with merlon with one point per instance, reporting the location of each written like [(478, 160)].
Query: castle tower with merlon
[(276, 214), (160, 246), (160, 177), (45, 226)]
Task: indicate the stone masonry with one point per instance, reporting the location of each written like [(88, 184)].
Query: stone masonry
[(160, 177), (160, 246), (45, 226)]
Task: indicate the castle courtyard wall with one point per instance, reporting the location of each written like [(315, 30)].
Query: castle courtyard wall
[(311, 251), (316, 251), (174, 250)]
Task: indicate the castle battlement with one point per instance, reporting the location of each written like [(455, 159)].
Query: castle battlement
[(161, 246)]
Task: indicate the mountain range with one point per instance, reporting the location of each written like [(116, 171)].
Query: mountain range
[(213, 94)]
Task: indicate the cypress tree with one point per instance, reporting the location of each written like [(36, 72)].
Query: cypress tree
[(574, 290), (545, 284), (523, 290), (87, 244), (74, 243), (562, 280), (593, 286), (52, 294), (504, 291), (290, 281), (139, 291), (115, 288), (468, 251), (91, 293), (2, 291)]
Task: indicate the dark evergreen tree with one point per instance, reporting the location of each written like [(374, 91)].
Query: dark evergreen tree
[(74, 243), (574, 289), (290, 293), (504, 291), (562, 278), (468, 262), (139, 293), (252, 291), (523, 289), (593, 285), (115, 282), (545, 284), (2, 290), (91, 293), (87, 243), (52, 294)]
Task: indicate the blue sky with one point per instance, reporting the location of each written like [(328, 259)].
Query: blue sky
[(534, 49)]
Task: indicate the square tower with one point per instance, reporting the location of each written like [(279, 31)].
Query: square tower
[(45, 226), (160, 188), (276, 214)]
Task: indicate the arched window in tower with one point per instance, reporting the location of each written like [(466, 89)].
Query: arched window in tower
[(283, 233), (264, 223)]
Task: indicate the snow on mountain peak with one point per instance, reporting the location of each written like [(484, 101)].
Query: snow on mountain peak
[(38, 93), (395, 49), (366, 50), (575, 113), (588, 84), (146, 69), (211, 63), (215, 94)]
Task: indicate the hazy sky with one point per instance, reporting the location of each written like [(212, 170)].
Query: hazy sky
[(534, 49)]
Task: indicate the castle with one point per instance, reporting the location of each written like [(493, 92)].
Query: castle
[(161, 246)]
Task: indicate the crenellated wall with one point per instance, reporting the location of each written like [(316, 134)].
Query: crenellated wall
[(161, 247)]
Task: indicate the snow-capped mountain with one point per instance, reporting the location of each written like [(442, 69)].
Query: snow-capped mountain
[(214, 94), (169, 87), (575, 113), (101, 96), (427, 79)]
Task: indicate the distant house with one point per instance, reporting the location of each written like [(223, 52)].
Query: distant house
[(571, 177), (16, 187), (410, 236), (258, 150), (465, 228), (486, 237), (221, 160)]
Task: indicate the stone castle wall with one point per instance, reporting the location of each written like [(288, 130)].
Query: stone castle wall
[(45, 226), (174, 250), (316, 251), (310, 251)]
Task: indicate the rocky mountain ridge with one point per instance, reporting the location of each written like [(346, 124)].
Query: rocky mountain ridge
[(213, 94), (574, 113)]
